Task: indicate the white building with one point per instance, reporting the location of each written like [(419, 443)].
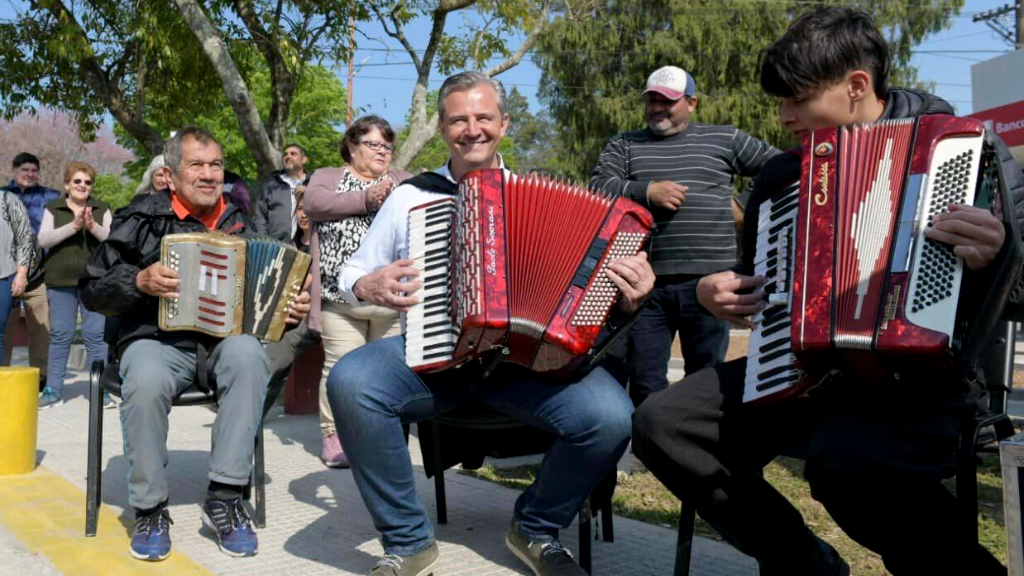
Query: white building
[(997, 87)]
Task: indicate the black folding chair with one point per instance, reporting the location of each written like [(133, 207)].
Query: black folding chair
[(476, 416), (107, 378)]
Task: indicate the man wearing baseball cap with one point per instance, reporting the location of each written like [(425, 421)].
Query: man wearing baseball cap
[(683, 172)]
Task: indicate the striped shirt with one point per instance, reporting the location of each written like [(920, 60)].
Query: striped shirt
[(700, 237)]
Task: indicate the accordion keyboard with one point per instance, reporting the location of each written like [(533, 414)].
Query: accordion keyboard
[(771, 364), (431, 335)]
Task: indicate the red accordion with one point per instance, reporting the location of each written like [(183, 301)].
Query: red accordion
[(853, 284), (515, 266)]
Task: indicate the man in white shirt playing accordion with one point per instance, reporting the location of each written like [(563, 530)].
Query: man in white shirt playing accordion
[(125, 278), (875, 452), (373, 392)]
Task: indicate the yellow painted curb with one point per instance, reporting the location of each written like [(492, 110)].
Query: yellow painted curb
[(46, 513)]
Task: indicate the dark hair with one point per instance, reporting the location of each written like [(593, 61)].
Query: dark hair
[(294, 145), (25, 158), (822, 46), (172, 150), (360, 128)]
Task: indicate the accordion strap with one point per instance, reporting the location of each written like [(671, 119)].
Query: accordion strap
[(433, 182)]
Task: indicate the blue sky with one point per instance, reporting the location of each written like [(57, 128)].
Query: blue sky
[(384, 86), (384, 79)]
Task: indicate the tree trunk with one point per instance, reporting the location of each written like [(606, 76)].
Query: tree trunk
[(237, 93), (421, 128)]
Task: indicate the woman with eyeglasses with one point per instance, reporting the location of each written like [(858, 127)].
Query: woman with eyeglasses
[(73, 225), (341, 202)]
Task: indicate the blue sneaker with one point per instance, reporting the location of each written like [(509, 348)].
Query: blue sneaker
[(49, 399), (151, 535), (230, 520)]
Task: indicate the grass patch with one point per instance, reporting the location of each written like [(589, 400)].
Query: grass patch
[(642, 497)]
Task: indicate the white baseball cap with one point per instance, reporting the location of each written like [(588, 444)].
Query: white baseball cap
[(671, 82)]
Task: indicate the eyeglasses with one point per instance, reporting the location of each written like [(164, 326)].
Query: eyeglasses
[(379, 146), (80, 181)]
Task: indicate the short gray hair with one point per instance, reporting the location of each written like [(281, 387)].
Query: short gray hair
[(465, 81), (172, 150)]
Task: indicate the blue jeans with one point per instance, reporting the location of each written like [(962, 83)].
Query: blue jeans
[(372, 393), (6, 303), (672, 308), (64, 306)]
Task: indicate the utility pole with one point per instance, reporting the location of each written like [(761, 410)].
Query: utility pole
[(999, 19), (351, 68)]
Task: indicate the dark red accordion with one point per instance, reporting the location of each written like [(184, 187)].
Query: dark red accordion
[(515, 266), (853, 283)]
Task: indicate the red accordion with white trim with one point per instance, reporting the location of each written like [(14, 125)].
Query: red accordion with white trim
[(853, 284), (515, 267)]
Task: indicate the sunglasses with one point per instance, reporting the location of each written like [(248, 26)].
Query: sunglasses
[(80, 181)]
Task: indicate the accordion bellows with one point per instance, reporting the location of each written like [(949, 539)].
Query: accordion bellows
[(516, 266), (231, 285)]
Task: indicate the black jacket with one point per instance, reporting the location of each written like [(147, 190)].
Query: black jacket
[(273, 215), (108, 285), (784, 169)]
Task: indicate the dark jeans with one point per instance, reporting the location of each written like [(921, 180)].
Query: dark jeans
[(672, 308), (874, 458), (6, 304), (373, 393)]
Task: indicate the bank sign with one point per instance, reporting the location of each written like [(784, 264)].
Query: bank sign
[(1006, 121)]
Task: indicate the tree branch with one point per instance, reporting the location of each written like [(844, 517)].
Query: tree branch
[(237, 93), (107, 90), (397, 33), (517, 56)]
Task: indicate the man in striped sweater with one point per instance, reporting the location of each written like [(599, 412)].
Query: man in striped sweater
[(683, 172)]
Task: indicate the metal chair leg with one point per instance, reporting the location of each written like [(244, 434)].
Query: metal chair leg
[(684, 542), (607, 531), (259, 482), (94, 458), (967, 498), (585, 536), (439, 494)]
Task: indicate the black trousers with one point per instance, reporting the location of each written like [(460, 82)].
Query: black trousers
[(672, 309), (874, 459)]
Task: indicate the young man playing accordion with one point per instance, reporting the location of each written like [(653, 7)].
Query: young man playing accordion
[(373, 392), (124, 278), (875, 454)]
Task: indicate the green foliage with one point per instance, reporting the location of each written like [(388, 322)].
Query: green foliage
[(594, 68), (114, 190), (318, 109)]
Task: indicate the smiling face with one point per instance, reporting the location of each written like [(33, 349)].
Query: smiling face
[(26, 175), (294, 160), (160, 178), (199, 181), (472, 127), (79, 187), (667, 117)]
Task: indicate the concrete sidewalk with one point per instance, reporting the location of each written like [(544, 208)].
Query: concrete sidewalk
[(316, 521)]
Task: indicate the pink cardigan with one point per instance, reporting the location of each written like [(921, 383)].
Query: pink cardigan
[(322, 204)]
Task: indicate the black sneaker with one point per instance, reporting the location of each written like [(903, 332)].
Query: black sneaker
[(230, 520), (151, 535), (544, 558)]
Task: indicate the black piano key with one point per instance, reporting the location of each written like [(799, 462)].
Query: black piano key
[(778, 228), (773, 372), (782, 206), (775, 382), (433, 325), (775, 329), (774, 344), (786, 210), (436, 333), (439, 346), (765, 358)]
